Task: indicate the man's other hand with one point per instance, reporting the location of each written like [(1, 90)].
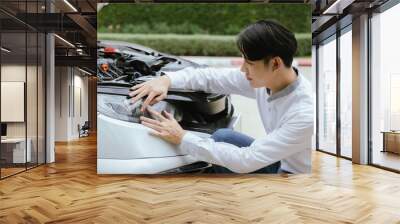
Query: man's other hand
[(155, 90)]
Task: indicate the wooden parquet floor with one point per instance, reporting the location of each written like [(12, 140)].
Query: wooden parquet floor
[(70, 191)]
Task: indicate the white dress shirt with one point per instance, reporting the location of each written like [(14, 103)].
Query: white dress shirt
[(287, 116)]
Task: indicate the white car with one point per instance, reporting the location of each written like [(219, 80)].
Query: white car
[(124, 145)]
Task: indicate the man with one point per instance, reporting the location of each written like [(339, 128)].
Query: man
[(284, 101)]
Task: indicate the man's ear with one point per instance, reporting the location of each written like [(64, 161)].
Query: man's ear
[(276, 63)]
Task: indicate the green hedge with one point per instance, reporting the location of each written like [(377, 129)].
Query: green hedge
[(196, 45), (222, 19)]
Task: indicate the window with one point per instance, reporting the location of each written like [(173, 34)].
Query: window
[(327, 96), (346, 75), (22, 75), (385, 89)]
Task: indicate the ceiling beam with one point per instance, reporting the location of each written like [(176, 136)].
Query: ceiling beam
[(81, 61)]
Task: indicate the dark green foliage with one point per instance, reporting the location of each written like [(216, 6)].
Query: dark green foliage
[(218, 19)]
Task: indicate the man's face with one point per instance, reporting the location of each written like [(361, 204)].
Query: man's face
[(259, 73)]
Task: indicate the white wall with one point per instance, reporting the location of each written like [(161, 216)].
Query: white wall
[(61, 103), (80, 115), (33, 126), (71, 94), (14, 73)]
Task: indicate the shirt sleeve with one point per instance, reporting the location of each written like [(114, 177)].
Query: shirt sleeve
[(292, 137), (212, 80)]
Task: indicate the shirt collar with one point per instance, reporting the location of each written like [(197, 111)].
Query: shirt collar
[(287, 90)]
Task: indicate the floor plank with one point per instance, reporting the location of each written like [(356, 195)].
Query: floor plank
[(70, 191)]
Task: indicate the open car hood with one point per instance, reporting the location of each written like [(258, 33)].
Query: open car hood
[(123, 65)]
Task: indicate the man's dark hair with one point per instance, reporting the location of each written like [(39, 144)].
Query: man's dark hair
[(266, 39)]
